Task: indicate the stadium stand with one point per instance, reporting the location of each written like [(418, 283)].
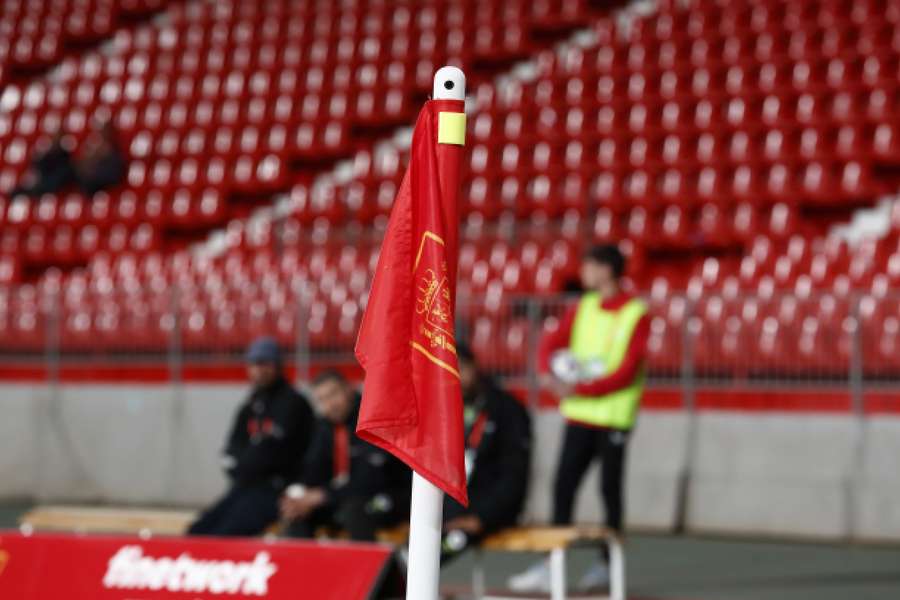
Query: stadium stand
[(220, 99), (224, 146), (37, 35), (720, 142)]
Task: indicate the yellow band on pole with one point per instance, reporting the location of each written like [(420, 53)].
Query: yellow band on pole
[(452, 128)]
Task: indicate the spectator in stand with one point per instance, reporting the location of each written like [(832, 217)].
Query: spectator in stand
[(594, 362), (498, 459), (51, 168), (270, 434), (101, 164), (345, 482)]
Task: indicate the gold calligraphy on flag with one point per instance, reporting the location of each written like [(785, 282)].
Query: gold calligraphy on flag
[(433, 332)]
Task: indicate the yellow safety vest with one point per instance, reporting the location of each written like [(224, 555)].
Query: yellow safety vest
[(603, 334)]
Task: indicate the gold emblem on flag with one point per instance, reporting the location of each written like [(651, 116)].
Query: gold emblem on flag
[(434, 305), (4, 560), (434, 299)]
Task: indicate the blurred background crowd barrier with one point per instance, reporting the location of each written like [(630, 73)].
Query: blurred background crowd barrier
[(827, 351)]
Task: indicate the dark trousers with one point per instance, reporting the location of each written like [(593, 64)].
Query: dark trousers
[(581, 445), (356, 516), (243, 511)]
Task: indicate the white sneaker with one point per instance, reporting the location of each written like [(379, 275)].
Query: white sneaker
[(594, 578), (534, 579)]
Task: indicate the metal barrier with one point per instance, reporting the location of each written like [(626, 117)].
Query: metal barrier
[(849, 343)]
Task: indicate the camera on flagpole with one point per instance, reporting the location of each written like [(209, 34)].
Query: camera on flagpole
[(449, 84)]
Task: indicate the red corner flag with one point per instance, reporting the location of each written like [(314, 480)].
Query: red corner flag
[(412, 404)]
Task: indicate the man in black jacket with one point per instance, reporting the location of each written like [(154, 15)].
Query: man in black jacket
[(52, 167), (498, 459), (270, 434), (345, 482)]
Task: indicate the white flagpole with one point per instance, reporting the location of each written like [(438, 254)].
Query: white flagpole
[(427, 506), (426, 513)]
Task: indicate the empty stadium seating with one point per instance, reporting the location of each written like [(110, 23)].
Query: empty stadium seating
[(716, 141), (224, 98), (37, 34)]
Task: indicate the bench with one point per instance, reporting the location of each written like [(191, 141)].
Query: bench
[(555, 541), (85, 519), (141, 521)]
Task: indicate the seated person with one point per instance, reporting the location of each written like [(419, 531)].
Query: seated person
[(102, 164), (270, 434), (345, 482), (51, 167), (498, 460)]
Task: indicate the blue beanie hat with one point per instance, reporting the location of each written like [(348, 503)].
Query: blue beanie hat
[(264, 350)]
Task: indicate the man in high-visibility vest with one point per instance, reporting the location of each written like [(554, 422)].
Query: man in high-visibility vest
[(594, 363)]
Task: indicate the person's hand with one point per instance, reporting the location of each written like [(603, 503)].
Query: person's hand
[(556, 387), (310, 501), (551, 383), (471, 524), (289, 508), (561, 389), (299, 508), (546, 381)]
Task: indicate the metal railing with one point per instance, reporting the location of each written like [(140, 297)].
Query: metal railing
[(713, 341)]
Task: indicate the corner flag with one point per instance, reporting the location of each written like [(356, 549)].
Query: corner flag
[(412, 403)]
